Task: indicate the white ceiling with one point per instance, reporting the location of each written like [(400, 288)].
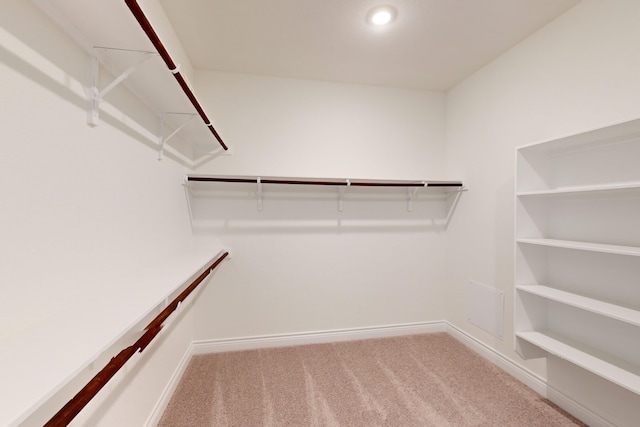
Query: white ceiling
[(433, 44)]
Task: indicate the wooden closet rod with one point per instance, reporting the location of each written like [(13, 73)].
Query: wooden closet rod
[(175, 70), (353, 183), (89, 391)]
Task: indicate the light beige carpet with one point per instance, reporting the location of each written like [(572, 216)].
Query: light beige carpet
[(419, 380)]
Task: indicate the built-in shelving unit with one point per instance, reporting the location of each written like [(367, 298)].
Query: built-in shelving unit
[(577, 288)]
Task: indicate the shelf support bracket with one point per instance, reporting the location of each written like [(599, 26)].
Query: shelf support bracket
[(411, 195), (164, 139), (259, 194), (341, 191), (97, 94)]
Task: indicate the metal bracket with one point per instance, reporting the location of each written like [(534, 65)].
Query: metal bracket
[(341, 191), (163, 139), (411, 195), (97, 94), (259, 194)]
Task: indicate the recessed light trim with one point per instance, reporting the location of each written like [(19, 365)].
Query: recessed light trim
[(381, 15)]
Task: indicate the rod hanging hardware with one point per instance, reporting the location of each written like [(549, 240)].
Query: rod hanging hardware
[(259, 182), (341, 191), (342, 184), (411, 194), (121, 49), (335, 182), (146, 26), (164, 139), (97, 95)]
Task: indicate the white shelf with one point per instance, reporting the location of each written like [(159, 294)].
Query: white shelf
[(584, 246), (607, 368), (586, 190), (611, 134), (605, 157), (351, 189), (145, 291), (613, 311), (108, 30), (355, 182)]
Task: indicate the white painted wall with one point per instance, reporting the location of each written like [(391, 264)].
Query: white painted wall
[(579, 72), (81, 209), (290, 127), (133, 397), (300, 265)]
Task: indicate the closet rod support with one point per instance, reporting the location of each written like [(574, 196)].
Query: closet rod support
[(411, 195), (97, 95), (259, 182), (146, 26), (341, 190), (164, 139)]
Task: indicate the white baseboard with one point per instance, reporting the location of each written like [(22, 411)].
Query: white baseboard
[(531, 380), (576, 409), (519, 372), (318, 337), (170, 388), (528, 378)]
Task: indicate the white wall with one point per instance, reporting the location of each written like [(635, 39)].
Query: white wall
[(300, 265), (81, 208), (134, 395), (279, 126), (579, 72)]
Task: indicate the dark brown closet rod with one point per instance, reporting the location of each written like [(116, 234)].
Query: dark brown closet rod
[(353, 183), (89, 391), (155, 40)]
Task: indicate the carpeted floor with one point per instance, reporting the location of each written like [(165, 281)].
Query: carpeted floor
[(419, 380)]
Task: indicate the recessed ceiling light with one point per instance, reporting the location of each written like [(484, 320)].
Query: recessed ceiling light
[(381, 15)]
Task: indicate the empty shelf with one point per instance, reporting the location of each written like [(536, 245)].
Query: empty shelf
[(613, 311), (610, 371), (586, 190), (584, 246)]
